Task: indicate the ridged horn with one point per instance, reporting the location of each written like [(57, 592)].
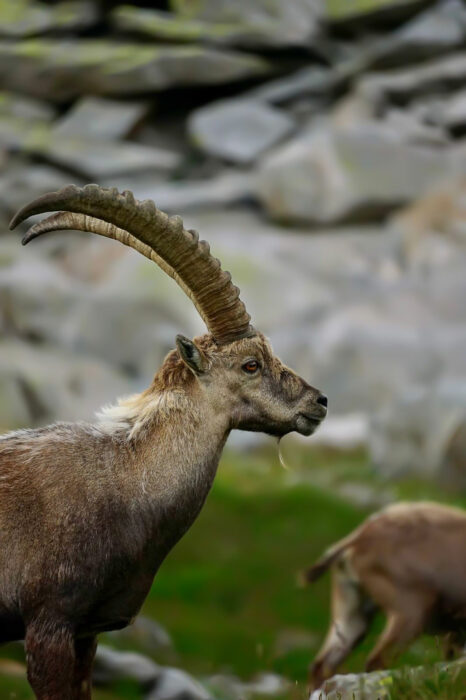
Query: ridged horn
[(162, 239)]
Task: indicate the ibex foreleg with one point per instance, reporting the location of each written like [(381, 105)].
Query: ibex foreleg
[(84, 658), (50, 653)]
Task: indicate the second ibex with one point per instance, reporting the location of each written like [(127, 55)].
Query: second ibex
[(89, 512)]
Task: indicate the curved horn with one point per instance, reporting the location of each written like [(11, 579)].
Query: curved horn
[(70, 221), (161, 238)]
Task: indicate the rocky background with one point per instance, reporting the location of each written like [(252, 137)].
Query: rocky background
[(318, 145)]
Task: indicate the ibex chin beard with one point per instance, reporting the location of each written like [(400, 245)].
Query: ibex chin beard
[(307, 424)]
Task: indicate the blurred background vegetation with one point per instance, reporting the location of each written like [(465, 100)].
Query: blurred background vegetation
[(319, 146)]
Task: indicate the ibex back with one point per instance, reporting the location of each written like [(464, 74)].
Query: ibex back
[(88, 512)]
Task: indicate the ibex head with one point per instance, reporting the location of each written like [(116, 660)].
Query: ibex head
[(233, 366), (246, 380)]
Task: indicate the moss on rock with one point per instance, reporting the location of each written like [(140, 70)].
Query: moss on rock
[(347, 9)]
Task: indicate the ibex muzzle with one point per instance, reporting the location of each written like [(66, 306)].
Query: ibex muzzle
[(89, 512)]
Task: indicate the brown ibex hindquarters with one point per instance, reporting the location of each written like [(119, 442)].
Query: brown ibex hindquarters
[(352, 611), (408, 562)]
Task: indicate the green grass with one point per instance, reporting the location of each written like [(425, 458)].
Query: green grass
[(433, 684), (227, 592)]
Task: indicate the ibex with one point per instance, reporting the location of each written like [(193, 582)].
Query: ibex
[(409, 561), (89, 512)]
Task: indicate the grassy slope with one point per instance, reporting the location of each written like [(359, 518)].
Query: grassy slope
[(227, 592)]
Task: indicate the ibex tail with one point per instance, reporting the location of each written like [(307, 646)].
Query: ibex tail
[(315, 571)]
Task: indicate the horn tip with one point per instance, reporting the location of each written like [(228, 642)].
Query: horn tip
[(30, 235), (14, 221)]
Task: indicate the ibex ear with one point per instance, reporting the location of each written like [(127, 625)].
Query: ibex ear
[(190, 354)]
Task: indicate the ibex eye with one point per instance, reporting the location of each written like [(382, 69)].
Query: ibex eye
[(251, 366)]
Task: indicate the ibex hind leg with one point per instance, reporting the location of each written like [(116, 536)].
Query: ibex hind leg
[(50, 657), (352, 613), (406, 617)]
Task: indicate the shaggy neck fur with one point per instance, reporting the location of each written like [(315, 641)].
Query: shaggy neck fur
[(172, 392), (175, 433)]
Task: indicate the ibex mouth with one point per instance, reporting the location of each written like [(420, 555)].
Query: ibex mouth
[(306, 423)]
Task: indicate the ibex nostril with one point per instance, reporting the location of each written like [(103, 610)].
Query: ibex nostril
[(322, 400)]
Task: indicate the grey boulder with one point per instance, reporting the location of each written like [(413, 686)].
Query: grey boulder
[(22, 107), (111, 665), (171, 27), (331, 173), (175, 684), (30, 18), (22, 182), (66, 69), (228, 187), (158, 683), (238, 130), (87, 156), (341, 11), (379, 684), (423, 432), (406, 84), (453, 115), (438, 29), (276, 23), (45, 384), (99, 118), (355, 686), (14, 408), (310, 81)]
